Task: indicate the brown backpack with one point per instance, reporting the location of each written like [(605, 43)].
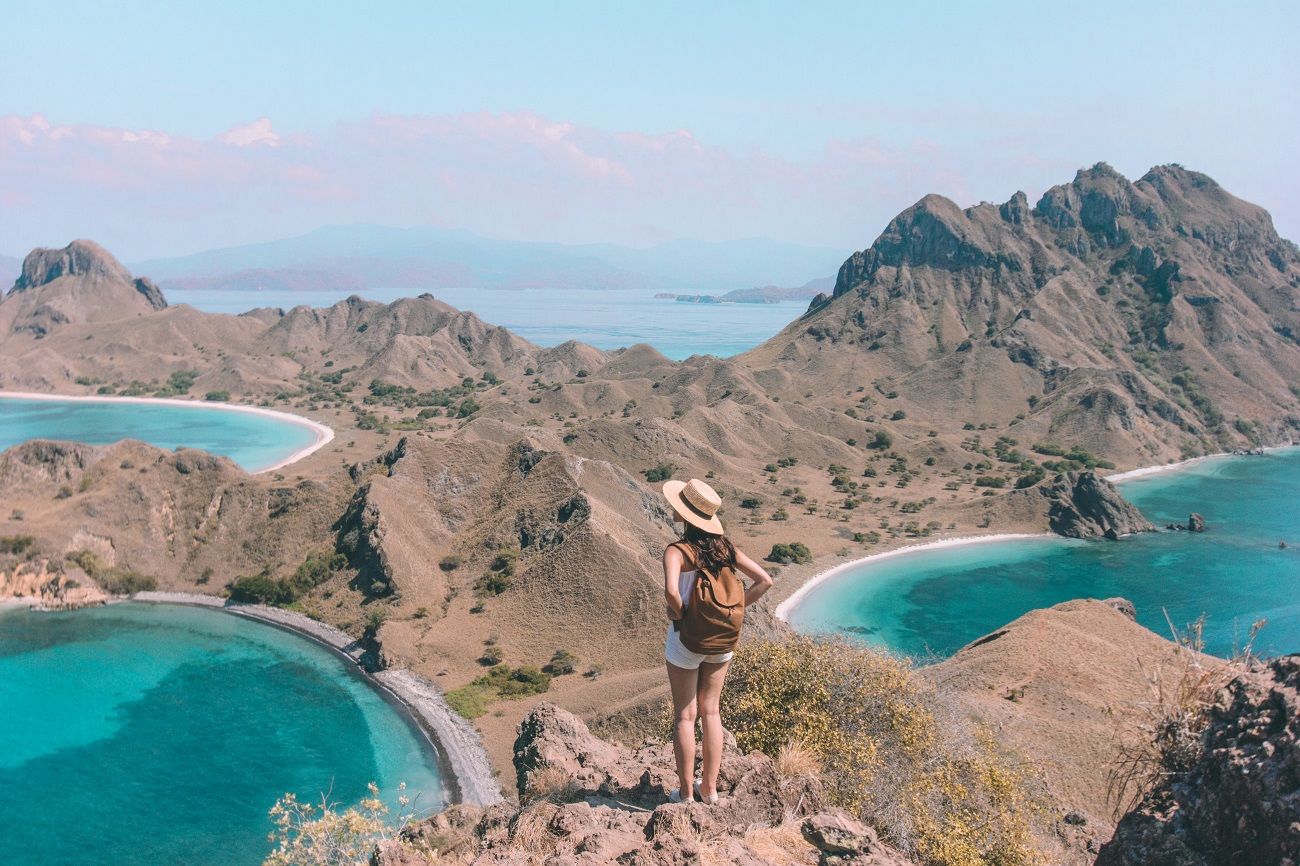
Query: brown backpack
[(714, 612)]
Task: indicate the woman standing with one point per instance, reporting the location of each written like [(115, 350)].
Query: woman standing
[(706, 605)]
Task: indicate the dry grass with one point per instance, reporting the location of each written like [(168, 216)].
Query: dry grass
[(550, 783), (798, 760), (1165, 740), (889, 749), (529, 832), (780, 845)]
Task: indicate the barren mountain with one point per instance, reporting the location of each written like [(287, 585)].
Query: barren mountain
[(495, 500), (1139, 320)]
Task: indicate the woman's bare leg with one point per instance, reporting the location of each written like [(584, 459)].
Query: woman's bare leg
[(684, 683), (708, 697)]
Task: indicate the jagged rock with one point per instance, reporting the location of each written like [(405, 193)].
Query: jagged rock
[(844, 841), (1240, 802), (79, 258), (551, 738), (1123, 605), (1085, 505), (586, 801), (1195, 523)]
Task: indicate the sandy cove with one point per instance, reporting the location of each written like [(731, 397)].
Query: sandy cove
[(787, 605), (467, 772), (324, 435)]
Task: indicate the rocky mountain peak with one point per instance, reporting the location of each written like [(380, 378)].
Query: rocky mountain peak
[(81, 258), (1099, 200)]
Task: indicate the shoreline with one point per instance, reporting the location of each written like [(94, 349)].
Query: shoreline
[(458, 749), (783, 610), (1161, 468), (324, 435)]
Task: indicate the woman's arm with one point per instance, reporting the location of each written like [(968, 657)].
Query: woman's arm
[(672, 586), (760, 580)]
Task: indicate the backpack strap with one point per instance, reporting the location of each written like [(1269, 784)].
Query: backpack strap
[(688, 553)]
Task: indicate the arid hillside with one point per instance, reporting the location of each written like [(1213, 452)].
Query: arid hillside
[(1142, 320), (490, 502)]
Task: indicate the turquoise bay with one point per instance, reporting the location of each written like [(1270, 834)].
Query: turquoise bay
[(143, 734), (254, 441), (933, 602)]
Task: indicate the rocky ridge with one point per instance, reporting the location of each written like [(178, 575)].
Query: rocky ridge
[(1239, 802), (587, 801)]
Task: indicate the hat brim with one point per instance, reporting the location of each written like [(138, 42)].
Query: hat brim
[(673, 493)]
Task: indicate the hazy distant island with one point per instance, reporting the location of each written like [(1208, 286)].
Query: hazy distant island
[(758, 295), (972, 371), (357, 257)]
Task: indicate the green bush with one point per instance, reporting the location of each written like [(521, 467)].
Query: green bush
[(785, 554), (563, 662), (501, 681), (217, 396), (16, 545), (662, 472), (260, 589), (881, 440), (375, 618), (120, 581), (469, 701), (493, 583)]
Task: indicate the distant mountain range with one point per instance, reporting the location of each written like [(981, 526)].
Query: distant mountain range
[(367, 256)]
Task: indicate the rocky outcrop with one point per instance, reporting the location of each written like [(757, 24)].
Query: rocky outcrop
[(1240, 803), (80, 283), (586, 801), (1085, 505)]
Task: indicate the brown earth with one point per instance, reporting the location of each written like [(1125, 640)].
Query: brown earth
[(586, 801), (489, 494)]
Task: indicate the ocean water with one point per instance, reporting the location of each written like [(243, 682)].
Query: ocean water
[(934, 602), (251, 440), (144, 734), (548, 317)]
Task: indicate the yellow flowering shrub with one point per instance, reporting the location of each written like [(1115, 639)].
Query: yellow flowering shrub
[(926, 779), (323, 835)]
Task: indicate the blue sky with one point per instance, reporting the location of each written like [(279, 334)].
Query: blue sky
[(163, 128)]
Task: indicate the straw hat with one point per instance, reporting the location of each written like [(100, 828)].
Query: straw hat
[(695, 502)]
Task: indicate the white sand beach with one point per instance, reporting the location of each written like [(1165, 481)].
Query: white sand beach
[(783, 609)]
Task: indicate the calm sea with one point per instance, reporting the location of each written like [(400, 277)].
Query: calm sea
[(548, 317), (935, 602), (251, 440), (143, 734)]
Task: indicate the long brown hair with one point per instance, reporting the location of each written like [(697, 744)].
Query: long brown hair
[(712, 552)]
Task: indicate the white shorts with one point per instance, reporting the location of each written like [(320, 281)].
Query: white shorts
[(679, 656)]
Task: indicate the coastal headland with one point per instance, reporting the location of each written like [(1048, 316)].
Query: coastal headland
[(488, 502)]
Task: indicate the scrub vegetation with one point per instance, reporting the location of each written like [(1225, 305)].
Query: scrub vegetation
[(887, 749)]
